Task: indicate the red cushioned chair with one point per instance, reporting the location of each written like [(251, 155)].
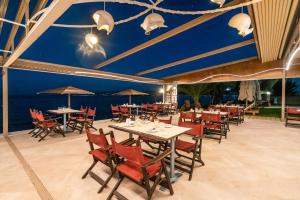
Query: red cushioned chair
[(116, 114), (193, 148), (72, 120), (87, 120), (35, 123), (102, 153), (234, 115), (47, 126), (124, 113), (150, 142), (187, 117), (292, 114), (139, 168), (214, 125)]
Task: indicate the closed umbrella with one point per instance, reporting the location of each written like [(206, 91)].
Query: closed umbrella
[(130, 92), (247, 91), (67, 90)]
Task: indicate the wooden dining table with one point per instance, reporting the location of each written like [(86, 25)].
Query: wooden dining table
[(156, 131), (64, 112)]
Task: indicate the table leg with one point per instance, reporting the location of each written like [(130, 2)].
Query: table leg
[(65, 123), (172, 167), (137, 111)]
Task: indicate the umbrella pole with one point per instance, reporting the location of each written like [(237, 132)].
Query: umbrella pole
[(69, 101), (129, 99)]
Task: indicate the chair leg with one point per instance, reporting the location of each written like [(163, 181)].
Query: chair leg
[(43, 137), (89, 169), (167, 177), (115, 187), (107, 180)]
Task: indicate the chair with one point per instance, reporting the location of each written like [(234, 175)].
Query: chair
[(213, 124), (292, 114), (150, 142), (139, 168), (124, 113), (187, 117), (193, 148), (87, 120), (234, 115), (115, 111), (173, 109), (47, 126), (35, 123), (102, 153), (72, 120)]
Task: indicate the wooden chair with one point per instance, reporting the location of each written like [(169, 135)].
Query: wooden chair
[(72, 120), (292, 114), (234, 115), (47, 126), (139, 168), (116, 114), (193, 148), (35, 122), (187, 117), (214, 125), (124, 113), (102, 153), (87, 120)]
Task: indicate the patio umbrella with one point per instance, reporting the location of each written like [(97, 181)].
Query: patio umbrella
[(130, 92), (247, 91), (67, 90)]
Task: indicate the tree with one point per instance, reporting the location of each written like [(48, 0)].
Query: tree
[(194, 91), (291, 87), (217, 90)]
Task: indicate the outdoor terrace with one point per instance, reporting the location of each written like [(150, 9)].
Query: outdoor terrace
[(260, 159)]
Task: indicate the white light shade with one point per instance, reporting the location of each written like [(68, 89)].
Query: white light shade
[(153, 21), (242, 23), (91, 39), (104, 21), (161, 90), (220, 2)]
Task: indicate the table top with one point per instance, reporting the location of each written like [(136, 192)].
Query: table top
[(156, 131), (131, 106), (64, 111), (211, 112)]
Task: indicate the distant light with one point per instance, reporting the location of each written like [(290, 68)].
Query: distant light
[(153, 21), (268, 93), (104, 21), (91, 39), (289, 63), (228, 89), (242, 23), (220, 2), (161, 90)]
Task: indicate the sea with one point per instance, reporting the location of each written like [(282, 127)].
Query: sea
[(20, 119)]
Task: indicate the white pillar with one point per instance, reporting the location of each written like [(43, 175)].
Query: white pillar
[(5, 101), (283, 95)]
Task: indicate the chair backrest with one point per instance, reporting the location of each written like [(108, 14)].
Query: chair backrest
[(196, 129), (83, 110), (233, 110), (115, 108), (33, 114), (99, 139), (293, 110), (211, 117), (187, 116), (40, 116), (166, 121), (133, 154), (124, 109), (91, 112)]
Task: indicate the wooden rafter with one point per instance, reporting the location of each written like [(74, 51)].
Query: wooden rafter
[(245, 70), (19, 16), (199, 56), (3, 8), (168, 34), (41, 4), (54, 11), (31, 65), (251, 14)]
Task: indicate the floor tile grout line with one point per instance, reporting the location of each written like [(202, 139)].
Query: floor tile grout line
[(37, 183)]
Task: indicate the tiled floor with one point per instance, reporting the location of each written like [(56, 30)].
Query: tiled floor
[(259, 160)]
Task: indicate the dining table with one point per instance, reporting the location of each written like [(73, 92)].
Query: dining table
[(132, 106), (157, 131), (64, 112)]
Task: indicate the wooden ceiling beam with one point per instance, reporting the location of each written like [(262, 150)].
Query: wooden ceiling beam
[(31, 65), (199, 56), (3, 8), (23, 5), (246, 70), (54, 11), (169, 34)]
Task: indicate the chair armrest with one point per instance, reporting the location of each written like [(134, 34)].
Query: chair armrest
[(158, 158)]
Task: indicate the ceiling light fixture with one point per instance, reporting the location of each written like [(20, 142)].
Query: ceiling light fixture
[(104, 21), (220, 2), (91, 40), (153, 21), (242, 23)]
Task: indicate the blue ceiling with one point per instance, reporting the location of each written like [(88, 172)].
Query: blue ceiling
[(60, 45)]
